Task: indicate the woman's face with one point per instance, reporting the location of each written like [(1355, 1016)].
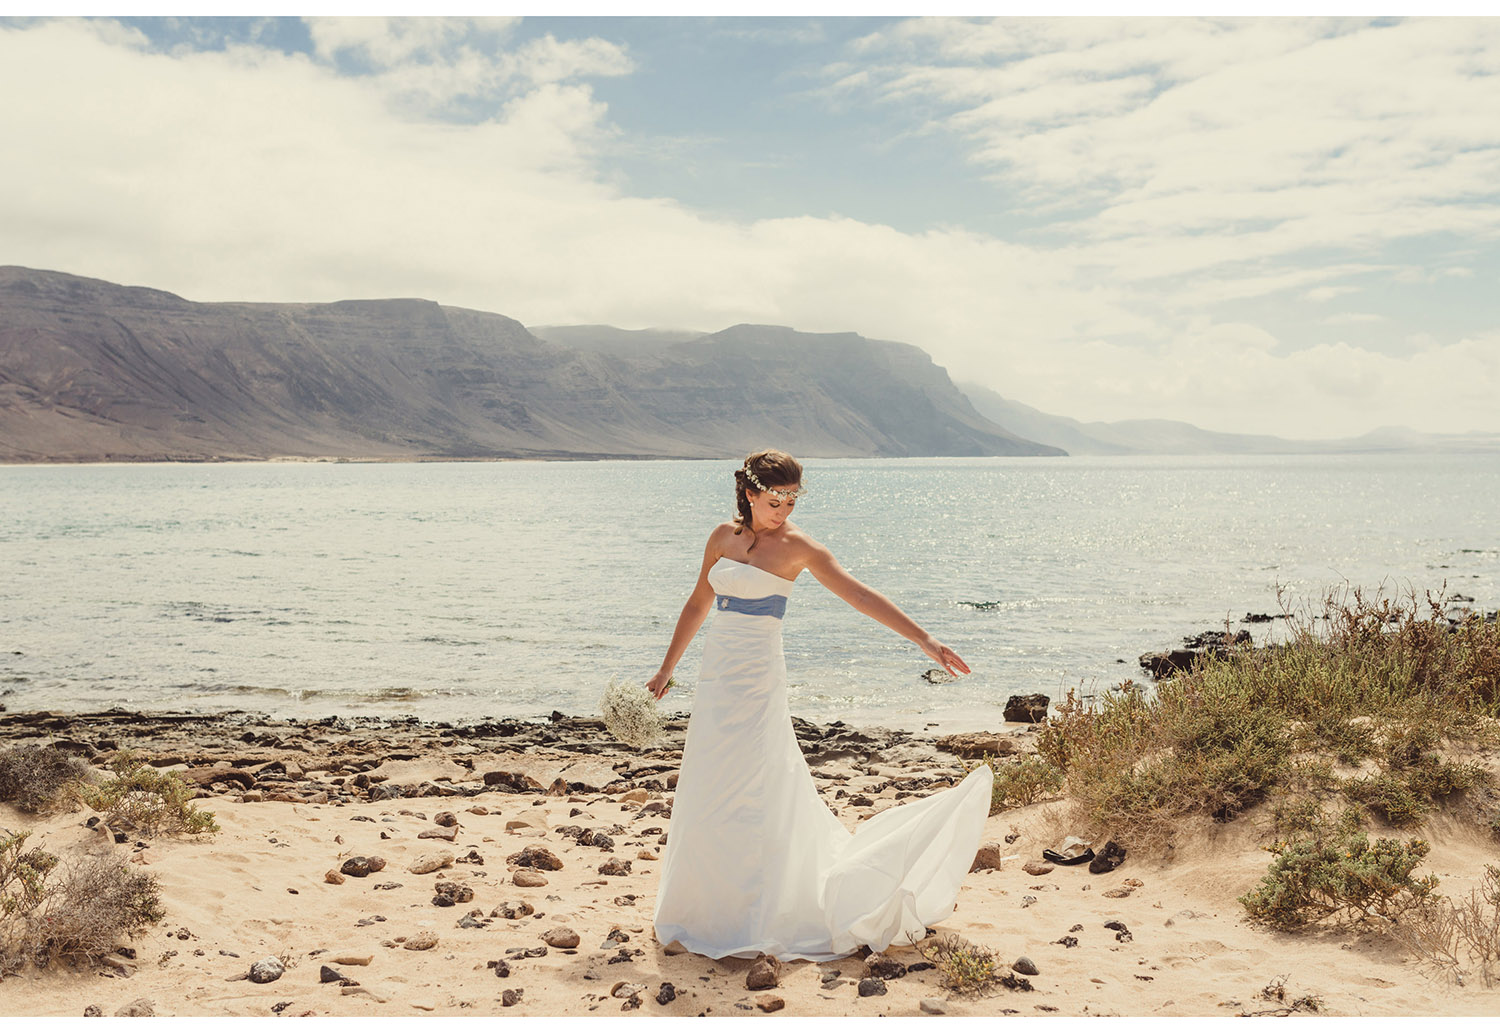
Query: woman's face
[(772, 508)]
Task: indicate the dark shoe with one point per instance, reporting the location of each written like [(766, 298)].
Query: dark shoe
[(1112, 856), (1056, 858)]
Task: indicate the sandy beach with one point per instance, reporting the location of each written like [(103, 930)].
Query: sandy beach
[(453, 923)]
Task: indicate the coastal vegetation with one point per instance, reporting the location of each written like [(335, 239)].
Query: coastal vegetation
[(963, 966), (1019, 781), (53, 909), (33, 778), (145, 800), (1382, 705), (77, 908), (1371, 714)]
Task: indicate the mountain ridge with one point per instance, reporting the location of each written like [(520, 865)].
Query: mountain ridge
[(92, 370), (1175, 437)]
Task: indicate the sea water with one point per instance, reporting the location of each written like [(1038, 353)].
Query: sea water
[(453, 591)]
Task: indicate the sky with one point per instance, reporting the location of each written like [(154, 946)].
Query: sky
[(1263, 225)]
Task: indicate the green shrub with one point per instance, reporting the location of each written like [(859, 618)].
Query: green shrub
[(1020, 782), (34, 777), (145, 800), (1404, 796), (23, 874), (1338, 871), (1377, 683)]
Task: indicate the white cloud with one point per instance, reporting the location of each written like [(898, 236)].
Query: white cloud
[(1347, 318), (1210, 143), (426, 64), (248, 174), (1329, 293)]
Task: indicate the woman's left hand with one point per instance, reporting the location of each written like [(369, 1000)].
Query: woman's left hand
[(951, 661)]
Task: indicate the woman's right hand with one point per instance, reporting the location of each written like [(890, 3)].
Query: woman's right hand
[(658, 683)]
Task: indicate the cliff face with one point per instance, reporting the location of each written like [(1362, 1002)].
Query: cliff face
[(91, 370)]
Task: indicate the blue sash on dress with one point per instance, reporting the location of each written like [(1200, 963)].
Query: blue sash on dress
[(766, 606)]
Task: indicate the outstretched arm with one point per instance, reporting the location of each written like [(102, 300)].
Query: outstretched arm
[(831, 574), (694, 613)]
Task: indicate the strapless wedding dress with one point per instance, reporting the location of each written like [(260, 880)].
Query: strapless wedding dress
[(755, 861)]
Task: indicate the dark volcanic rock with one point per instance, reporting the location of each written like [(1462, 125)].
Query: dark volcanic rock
[(871, 986), (1027, 709), (358, 867), (536, 857)]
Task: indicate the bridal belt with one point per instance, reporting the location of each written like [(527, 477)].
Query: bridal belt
[(766, 606)]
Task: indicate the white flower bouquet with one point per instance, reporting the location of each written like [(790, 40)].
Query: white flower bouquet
[(631, 714)]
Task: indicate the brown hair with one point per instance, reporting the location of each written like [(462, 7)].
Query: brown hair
[(774, 469)]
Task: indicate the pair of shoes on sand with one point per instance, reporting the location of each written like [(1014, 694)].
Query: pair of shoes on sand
[(1077, 851)]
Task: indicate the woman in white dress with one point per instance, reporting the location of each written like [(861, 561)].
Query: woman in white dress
[(755, 862)]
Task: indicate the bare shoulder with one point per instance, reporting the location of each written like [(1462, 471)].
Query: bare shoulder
[(807, 549), (722, 535)]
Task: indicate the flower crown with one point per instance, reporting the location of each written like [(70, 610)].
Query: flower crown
[(780, 493)]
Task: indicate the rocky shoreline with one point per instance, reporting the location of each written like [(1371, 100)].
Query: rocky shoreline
[(360, 759), (372, 868)]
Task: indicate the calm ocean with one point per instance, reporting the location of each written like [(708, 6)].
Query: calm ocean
[(461, 590)]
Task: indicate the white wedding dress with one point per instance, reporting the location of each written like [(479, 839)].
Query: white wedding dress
[(755, 861)]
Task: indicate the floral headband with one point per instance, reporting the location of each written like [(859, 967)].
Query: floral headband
[(781, 493)]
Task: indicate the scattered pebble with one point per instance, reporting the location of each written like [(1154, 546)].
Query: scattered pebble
[(93, 1011), (422, 941), (446, 819), (667, 994), (267, 970), (1024, 965), (991, 857), (871, 986), (1037, 868), (882, 967), (334, 876), (526, 878), (510, 998), (427, 863), (769, 1003), (330, 975), (358, 867), (561, 937), (764, 974), (448, 893), (536, 857)]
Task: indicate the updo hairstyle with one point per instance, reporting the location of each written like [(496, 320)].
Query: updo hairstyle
[(774, 469)]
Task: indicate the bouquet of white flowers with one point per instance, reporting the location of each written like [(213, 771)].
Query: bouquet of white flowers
[(631, 714)]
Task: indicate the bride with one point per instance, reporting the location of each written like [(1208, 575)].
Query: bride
[(755, 861)]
